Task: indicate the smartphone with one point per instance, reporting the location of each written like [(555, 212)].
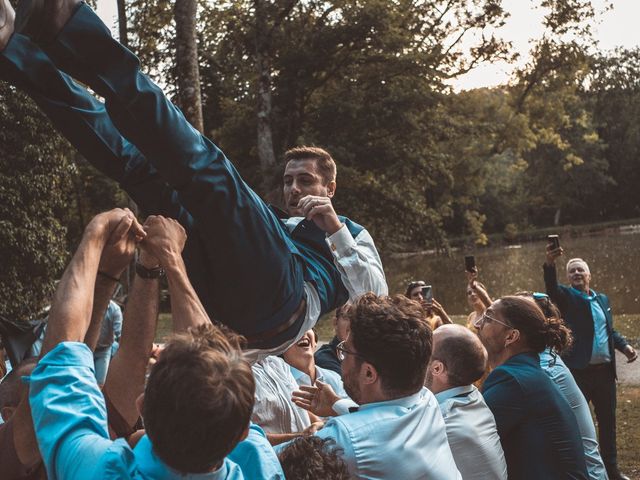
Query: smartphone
[(427, 294), (470, 263), (554, 240)]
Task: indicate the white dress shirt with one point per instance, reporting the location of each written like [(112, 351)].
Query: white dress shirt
[(472, 433), (360, 269), (273, 410), (403, 439)]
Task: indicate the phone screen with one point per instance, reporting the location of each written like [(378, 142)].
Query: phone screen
[(427, 294), (470, 263)]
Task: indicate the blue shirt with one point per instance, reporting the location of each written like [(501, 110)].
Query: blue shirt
[(600, 350), (70, 420), (403, 438), (557, 371), (538, 430)]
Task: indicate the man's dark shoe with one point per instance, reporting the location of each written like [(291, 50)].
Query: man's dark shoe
[(42, 20), (7, 19), (615, 474)]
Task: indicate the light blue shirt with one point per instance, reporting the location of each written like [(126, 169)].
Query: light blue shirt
[(70, 419), (256, 457), (324, 375), (472, 434), (555, 368), (403, 438), (600, 350)]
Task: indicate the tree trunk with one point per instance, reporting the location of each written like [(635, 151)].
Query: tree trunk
[(266, 154), (122, 24), (189, 98)]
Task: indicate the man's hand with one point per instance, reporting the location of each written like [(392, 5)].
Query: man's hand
[(320, 210), (472, 277), (553, 253), (318, 399), (165, 240), (313, 428), (630, 353), (439, 310), (121, 244)]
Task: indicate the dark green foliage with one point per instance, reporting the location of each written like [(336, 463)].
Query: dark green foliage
[(34, 189)]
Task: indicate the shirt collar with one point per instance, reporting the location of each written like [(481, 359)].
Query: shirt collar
[(589, 296), (453, 392), (151, 466), (407, 402)]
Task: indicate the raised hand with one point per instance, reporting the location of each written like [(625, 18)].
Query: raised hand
[(320, 210), (121, 242), (553, 253), (165, 239), (318, 399)]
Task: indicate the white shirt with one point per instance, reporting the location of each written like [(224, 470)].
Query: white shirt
[(403, 439), (324, 375), (360, 269), (472, 433), (273, 410)]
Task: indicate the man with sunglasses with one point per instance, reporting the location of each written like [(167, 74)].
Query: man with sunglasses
[(384, 362), (592, 359)]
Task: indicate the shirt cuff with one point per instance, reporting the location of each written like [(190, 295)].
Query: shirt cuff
[(75, 354), (342, 406), (341, 242)]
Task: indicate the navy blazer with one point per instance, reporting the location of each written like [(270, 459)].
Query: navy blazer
[(576, 312), (538, 430)]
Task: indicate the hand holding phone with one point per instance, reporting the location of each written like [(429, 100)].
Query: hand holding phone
[(427, 294), (470, 264)]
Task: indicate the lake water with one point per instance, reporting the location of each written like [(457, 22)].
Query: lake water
[(614, 260)]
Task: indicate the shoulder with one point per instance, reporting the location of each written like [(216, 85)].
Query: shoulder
[(354, 228)]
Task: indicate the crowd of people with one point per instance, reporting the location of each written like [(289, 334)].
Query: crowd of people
[(240, 389)]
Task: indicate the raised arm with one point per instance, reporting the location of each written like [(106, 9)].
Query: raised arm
[(67, 407), (126, 377), (165, 240), (550, 274)]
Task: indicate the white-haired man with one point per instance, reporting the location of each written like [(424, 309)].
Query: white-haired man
[(592, 359)]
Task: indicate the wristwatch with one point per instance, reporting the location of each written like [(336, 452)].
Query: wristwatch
[(149, 273)]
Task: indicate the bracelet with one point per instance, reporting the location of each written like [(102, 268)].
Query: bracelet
[(106, 275), (149, 273)]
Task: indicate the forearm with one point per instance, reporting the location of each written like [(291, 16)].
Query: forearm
[(278, 438), (126, 378), (72, 304), (101, 296), (186, 309), (359, 263), (484, 296)]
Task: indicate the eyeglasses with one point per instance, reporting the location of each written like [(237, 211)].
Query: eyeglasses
[(488, 318), (341, 351)]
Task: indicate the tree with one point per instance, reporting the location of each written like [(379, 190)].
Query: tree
[(35, 189), (187, 62)]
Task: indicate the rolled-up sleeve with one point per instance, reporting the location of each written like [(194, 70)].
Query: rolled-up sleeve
[(69, 413), (359, 262)]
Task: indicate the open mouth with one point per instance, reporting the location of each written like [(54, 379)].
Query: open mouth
[(304, 343)]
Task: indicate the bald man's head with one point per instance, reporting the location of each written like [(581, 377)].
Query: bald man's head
[(461, 353)]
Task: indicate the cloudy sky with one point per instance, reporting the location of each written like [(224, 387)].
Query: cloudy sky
[(616, 27)]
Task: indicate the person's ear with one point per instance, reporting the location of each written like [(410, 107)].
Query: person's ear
[(369, 373), (140, 403), (331, 188), (7, 412), (512, 337), (437, 368)]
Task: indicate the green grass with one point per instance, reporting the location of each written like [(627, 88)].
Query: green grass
[(628, 416)]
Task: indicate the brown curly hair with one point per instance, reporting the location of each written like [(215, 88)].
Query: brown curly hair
[(392, 334)]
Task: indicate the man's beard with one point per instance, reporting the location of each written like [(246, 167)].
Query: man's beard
[(352, 388)]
